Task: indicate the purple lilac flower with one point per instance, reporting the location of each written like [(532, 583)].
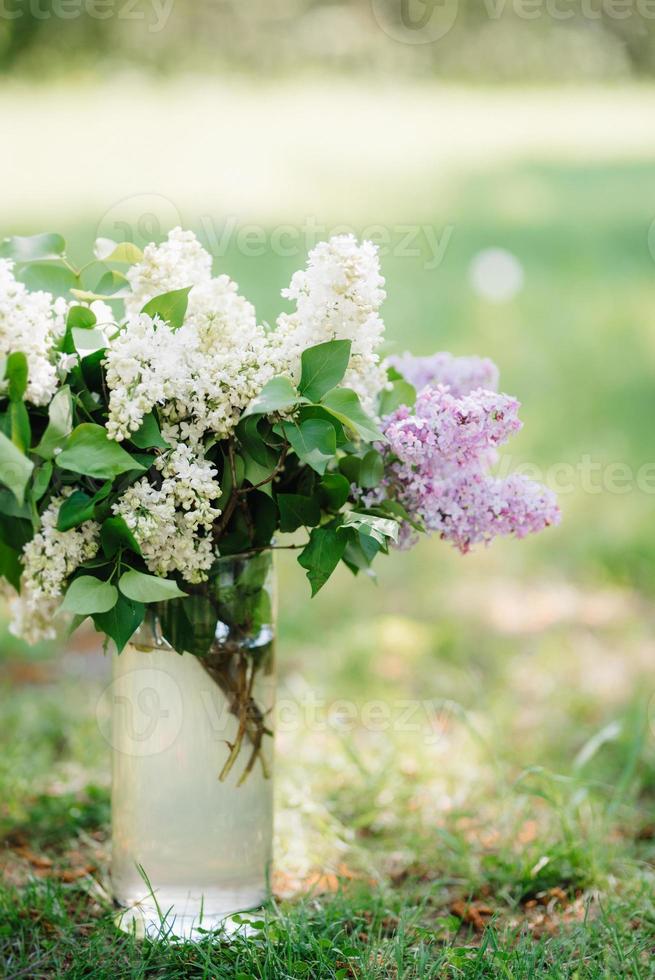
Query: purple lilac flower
[(476, 507), (442, 429), (462, 374), (437, 466)]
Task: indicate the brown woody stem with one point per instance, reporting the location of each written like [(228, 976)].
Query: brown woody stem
[(235, 674)]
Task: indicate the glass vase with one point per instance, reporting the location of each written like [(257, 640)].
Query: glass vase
[(192, 755)]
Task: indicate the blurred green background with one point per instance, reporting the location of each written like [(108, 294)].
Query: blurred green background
[(265, 128), (497, 40)]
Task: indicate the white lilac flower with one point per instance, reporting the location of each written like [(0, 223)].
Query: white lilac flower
[(172, 523), (145, 366), (31, 322), (228, 355), (200, 377), (49, 560), (178, 262), (338, 296)]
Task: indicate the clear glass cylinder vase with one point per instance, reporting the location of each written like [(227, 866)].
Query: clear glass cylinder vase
[(192, 756)]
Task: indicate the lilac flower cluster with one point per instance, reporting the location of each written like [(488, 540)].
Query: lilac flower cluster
[(462, 374), (455, 432), (438, 456)]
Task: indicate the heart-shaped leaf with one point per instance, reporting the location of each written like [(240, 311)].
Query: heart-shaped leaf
[(323, 367), (277, 394), (170, 307), (87, 595), (89, 450), (148, 588)]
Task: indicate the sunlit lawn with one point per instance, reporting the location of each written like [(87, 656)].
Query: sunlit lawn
[(499, 820)]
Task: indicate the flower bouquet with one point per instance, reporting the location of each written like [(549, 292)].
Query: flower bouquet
[(156, 445)]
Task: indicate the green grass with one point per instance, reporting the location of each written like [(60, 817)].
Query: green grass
[(526, 787)]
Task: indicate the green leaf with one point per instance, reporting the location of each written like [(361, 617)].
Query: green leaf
[(170, 307), (81, 318), (15, 468), (318, 412), (55, 279), (148, 588), (87, 595), (248, 434), (107, 250), (371, 470), (27, 249), (78, 318), (297, 511), (74, 511), (88, 342), (277, 394), (335, 490), (41, 482), (149, 435), (113, 285), (121, 623), (351, 467), (379, 528), (369, 545), (116, 535), (257, 474), (256, 571), (323, 367), (401, 393), (16, 371), (11, 508), (10, 566), (189, 624), (88, 450), (243, 606), (91, 367), (264, 518), (360, 552), (21, 431), (322, 555), (60, 425), (345, 405), (15, 530), (237, 537), (314, 441)]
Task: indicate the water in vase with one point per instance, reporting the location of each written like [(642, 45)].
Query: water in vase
[(187, 848)]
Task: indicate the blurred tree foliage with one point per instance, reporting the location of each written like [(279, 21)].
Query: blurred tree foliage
[(547, 40)]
